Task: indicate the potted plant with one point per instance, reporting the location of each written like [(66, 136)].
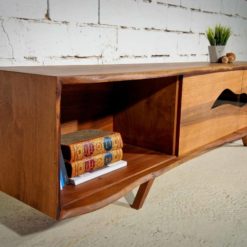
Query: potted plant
[(217, 37)]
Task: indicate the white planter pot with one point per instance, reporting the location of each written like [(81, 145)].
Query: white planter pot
[(215, 52)]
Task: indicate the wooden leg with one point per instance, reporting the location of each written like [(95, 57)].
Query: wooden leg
[(244, 139), (142, 194)]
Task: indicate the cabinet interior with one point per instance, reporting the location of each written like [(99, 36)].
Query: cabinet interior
[(143, 111)]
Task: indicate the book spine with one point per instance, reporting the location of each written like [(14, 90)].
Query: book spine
[(63, 173), (79, 167), (62, 182), (79, 151)]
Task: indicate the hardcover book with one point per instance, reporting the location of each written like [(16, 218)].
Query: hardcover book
[(79, 167), (85, 143)]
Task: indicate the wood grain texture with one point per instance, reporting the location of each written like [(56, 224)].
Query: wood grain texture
[(143, 166), (86, 106), (72, 74), (142, 194), (141, 101), (244, 139), (139, 160), (243, 110), (29, 110), (200, 124), (101, 191), (104, 123), (146, 113)]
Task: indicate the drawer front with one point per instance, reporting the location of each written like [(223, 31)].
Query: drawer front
[(243, 110), (203, 119)]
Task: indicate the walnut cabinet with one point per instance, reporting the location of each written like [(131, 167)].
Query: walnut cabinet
[(166, 114)]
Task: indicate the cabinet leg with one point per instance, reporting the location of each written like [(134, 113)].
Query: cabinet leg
[(142, 194), (244, 139)]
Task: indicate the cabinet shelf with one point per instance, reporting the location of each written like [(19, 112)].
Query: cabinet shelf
[(141, 163)]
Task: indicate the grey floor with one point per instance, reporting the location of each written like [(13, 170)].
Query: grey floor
[(201, 203)]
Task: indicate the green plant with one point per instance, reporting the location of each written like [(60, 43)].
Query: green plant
[(218, 35)]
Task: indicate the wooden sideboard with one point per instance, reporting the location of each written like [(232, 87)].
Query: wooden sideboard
[(166, 113)]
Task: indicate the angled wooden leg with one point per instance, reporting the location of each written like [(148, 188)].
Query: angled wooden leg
[(142, 194), (244, 139)]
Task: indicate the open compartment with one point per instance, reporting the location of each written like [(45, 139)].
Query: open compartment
[(143, 111)]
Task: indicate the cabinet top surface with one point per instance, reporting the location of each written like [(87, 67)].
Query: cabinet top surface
[(117, 72)]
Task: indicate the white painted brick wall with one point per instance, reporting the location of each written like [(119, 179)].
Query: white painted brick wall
[(203, 45), (34, 39), (85, 11), (242, 8), (115, 31), (211, 6), (179, 19), (200, 21), (188, 44), (193, 4), (229, 7), (132, 13), (146, 43), (5, 48), (33, 9), (173, 2), (31, 43)]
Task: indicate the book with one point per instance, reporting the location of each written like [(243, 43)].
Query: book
[(62, 183), (63, 173), (85, 143), (94, 174), (79, 167)]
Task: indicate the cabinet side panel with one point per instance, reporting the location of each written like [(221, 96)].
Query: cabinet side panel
[(243, 110), (147, 111), (205, 119), (29, 113)]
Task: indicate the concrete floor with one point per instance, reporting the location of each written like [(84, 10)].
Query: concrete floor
[(201, 203)]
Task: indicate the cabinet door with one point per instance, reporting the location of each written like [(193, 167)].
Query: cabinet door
[(243, 110), (204, 118)]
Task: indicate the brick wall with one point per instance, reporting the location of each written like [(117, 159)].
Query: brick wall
[(115, 31)]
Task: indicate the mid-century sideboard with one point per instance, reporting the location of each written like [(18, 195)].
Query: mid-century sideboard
[(166, 114)]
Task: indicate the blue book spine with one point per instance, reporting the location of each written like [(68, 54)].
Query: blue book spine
[(62, 183), (63, 173)]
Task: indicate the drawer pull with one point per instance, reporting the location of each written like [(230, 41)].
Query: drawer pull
[(229, 97)]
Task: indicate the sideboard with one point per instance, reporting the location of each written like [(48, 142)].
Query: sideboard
[(166, 114)]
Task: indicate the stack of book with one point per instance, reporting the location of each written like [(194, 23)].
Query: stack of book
[(91, 153)]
